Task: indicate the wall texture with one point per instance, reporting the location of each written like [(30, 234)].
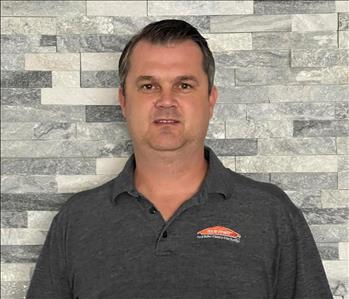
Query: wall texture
[(281, 117)]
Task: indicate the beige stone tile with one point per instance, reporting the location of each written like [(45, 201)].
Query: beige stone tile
[(99, 61), (318, 163), (66, 79), (229, 41), (52, 61), (22, 236), (28, 25), (334, 198), (16, 271), (116, 8), (314, 22), (110, 166), (40, 219), (79, 96), (343, 248), (77, 183)]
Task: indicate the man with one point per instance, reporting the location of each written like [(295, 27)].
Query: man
[(176, 223)]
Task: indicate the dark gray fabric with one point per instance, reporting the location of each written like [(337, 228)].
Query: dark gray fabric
[(110, 242)]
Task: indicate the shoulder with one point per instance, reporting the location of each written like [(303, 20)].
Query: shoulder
[(264, 195)]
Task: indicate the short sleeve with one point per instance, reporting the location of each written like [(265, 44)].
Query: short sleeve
[(300, 271), (49, 279)]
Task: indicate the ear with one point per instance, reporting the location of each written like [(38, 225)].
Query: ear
[(212, 99), (122, 101)]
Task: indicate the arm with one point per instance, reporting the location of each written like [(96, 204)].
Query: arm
[(300, 271), (50, 278)]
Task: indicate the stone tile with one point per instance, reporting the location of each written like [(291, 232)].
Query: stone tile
[(342, 110), (13, 219), (116, 8), (242, 94), (343, 248), (66, 79), (228, 162), (335, 198), (19, 44), (12, 62), (302, 198), (90, 25), (343, 39), (290, 7), (73, 184), (297, 146), (307, 93), (99, 61), (65, 149), (343, 21), (258, 129), (26, 79), (34, 131), (326, 216), (28, 25), (91, 43), (102, 131), (78, 96), (22, 236), (342, 145), (317, 128), (291, 76), (22, 184), (233, 147), (285, 111), (52, 62), (98, 113), (294, 40), (316, 163), (343, 162), (40, 219), (49, 166), (337, 275), (237, 59), (223, 112), (14, 289), (42, 113), (42, 8), (224, 77), (314, 22), (216, 130), (250, 23), (328, 251), (330, 232), (229, 41), (110, 166), (305, 181), (15, 272), (170, 8), (319, 57), (343, 180), (20, 254), (33, 201), (342, 6), (99, 79), (48, 40)]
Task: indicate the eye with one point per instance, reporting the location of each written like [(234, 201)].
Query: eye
[(147, 86), (185, 85)]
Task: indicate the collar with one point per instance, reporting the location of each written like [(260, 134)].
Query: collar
[(215, 180)]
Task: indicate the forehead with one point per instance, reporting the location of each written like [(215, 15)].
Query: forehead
[(185, 55)]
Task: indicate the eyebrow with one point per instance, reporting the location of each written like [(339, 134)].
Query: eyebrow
[(178, 78)]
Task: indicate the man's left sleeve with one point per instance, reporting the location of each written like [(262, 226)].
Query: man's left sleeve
[(300, 271)]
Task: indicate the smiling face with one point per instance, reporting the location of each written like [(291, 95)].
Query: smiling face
[(167, 82)]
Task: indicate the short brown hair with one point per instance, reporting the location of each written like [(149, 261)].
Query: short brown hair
[(166, 31)]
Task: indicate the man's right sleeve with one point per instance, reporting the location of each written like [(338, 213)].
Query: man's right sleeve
[(50, 279)]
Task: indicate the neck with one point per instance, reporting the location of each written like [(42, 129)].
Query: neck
[(168, 173)]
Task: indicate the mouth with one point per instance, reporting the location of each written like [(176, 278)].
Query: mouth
[(162, 122)]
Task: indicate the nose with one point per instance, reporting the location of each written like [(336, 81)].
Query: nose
[(167, 98)]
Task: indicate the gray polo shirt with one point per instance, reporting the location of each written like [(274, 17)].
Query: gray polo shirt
[(235, 238)]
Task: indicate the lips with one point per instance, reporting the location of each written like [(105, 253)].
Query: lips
[(166, 121)]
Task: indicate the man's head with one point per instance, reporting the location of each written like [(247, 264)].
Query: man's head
[(166, 76), (166, 32)]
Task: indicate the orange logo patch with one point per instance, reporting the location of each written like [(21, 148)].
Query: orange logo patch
[(219, 232)]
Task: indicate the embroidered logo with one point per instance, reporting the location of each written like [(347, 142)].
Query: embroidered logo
[(219, 232)]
